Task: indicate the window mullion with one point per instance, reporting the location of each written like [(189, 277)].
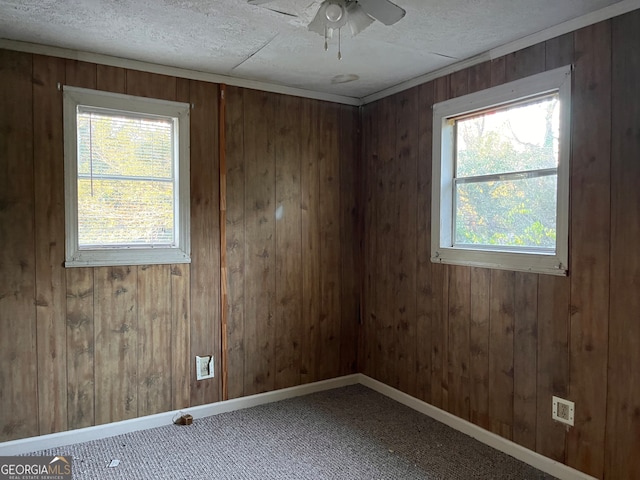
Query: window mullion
[(507, 176)]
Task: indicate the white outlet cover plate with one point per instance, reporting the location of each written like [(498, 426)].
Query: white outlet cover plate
[(556, 401), (204, 367)]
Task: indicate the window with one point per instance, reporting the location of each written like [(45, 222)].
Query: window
[(501, 176), (126, 179)]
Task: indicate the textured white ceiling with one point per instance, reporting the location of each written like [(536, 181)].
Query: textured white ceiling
[(230, 37)]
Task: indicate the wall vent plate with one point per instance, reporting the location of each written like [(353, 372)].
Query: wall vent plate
[(563, 410), (204, 367)]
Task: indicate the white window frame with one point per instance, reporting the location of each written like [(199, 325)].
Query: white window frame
[(508, 258), (180, 252)]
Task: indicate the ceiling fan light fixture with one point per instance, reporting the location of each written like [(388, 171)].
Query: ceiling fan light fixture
[(358, 14), (323, 23), (334, 12)]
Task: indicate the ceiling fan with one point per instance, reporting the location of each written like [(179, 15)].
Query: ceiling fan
[(357, 14)]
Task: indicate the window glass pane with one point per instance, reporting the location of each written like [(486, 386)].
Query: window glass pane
[(509, 139), (129, 212), (125, 180), (126, 146), (518, 213)]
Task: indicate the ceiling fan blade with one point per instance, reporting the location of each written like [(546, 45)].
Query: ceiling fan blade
[(258, 2), (383, 10)]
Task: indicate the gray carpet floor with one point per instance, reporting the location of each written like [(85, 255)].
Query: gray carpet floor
[(346, 433)]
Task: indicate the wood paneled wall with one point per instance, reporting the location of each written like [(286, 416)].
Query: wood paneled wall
[(86, 346), (493, 346), (292, 240)]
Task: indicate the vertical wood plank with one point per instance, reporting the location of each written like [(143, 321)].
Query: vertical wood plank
[(116, 329), (525, 62), (80, 348), (370, 319), (260, 242), (525, 360), (498, 71), (553, 357), (479, 343), (444, 308), (459, 313), (440, 297), (310, 190), (459, 83), (224, 290), (182, 90), (501, 323), (235, 239), (154, 339), (111, 79), (350, 236), (590, 238), (18, 366), (48, 72), (623, 399), (153, 85), (364, 126), (424, 281), (205, 238), (180, 336), (479, 77), (384, 182), (376, 201), (405, 204), (387, 181), (80, 74), (367, 327), (288, 243), (328, 353), (559, 51)]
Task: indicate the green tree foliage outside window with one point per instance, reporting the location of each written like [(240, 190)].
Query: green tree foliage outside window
[(125, 180), (505, 185)]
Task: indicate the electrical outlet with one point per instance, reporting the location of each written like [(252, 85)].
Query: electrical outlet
[(563, 410), (204, 367)]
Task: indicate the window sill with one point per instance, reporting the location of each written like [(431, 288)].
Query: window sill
[(108, 258), (519, 262)]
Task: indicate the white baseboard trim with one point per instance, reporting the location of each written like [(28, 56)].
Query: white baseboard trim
[(497, 442), (71, 437), (62, 439)]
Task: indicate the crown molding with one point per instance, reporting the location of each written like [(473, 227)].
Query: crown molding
[(173, 71), (606, 13)]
